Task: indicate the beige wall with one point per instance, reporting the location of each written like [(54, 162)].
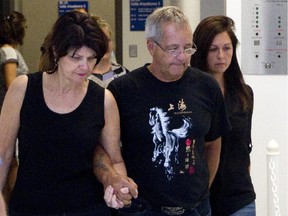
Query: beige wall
[(41, 14)]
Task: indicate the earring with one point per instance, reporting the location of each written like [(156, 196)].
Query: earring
[(54, 68), (55, 63)]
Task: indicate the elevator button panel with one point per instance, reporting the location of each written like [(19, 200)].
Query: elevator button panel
[(264, 37)]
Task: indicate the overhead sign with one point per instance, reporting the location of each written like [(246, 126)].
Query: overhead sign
[(65, 6), (139, 10)]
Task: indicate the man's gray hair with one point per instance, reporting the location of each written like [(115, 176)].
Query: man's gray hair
[(160, 16)]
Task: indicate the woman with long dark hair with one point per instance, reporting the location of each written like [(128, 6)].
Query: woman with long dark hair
[(232, 191)]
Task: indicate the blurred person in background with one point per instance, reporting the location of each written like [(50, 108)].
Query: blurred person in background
[(12, 64), (107, 69), (12, 33)]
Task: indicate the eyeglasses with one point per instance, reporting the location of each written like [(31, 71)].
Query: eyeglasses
[(176, 51)]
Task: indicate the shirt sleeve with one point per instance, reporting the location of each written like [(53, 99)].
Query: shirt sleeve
[(220, 124), (8, 55)]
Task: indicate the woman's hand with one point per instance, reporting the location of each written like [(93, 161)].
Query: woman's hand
[(111, 198)]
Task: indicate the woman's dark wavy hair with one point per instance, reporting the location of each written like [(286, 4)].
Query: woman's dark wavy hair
[(12, 29), (203, 37), (72, 30)]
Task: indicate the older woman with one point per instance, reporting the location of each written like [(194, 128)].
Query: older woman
[(60, 118)]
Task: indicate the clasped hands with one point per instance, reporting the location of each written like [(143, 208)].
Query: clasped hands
[(120, 191)]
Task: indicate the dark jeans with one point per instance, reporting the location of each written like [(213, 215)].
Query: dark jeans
[(140, 208), (248, 210), (101, 210)]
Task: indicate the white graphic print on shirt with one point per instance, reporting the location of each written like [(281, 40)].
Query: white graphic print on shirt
[(166, 141)]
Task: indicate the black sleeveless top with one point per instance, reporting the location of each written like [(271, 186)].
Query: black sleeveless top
[(55, 153)]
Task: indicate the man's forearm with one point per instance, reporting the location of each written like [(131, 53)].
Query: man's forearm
[(115, 175), (102, 166)]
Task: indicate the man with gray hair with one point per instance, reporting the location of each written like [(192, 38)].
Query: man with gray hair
[(172, 119)]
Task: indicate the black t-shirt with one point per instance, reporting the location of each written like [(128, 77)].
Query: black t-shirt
[(163, 129), (232, 188)]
